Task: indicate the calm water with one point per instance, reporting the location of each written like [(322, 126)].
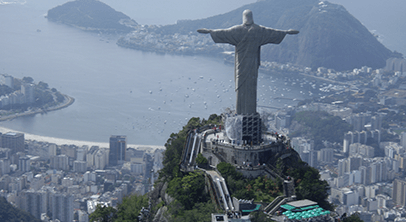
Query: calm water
[(145, 96)]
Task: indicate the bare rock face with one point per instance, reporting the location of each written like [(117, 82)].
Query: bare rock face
[(159, 216)]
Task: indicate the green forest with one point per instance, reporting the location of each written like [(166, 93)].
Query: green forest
[(192, 202)]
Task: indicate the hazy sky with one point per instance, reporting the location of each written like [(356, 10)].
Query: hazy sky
[(387, 17)]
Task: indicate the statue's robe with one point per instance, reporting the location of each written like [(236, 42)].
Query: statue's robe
[(247, 40)]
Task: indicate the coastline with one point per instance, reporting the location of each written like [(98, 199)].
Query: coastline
[(60, 141), (69, 101)]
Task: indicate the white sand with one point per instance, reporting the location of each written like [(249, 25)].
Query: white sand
[(59, 141)]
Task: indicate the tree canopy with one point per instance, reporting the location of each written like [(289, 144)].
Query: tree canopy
[(12, 214), (321, 126), (127, 211)]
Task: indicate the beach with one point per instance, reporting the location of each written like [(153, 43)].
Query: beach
[(79, 143)]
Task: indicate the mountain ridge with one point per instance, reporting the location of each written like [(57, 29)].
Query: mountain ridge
[(329, 35)]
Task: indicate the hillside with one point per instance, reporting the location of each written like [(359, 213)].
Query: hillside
[(9, 213), (91, 15), (329, 36)]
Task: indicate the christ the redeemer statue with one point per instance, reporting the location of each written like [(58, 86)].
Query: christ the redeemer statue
[(247, 39)]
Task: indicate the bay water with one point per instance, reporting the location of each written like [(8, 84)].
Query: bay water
[(117, 91)]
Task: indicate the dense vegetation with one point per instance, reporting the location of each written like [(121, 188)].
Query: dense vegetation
[(320, 126), (190, 199), (192, 202), (188, 188), (9, 213), (175, 144), (353, 218), (308, 184), (91, 15), (128, 210), (261, 188)]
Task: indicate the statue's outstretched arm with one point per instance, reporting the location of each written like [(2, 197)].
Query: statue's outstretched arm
[(204, 31), (292, 32)]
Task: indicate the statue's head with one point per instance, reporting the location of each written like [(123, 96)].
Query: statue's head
[(247, 17)]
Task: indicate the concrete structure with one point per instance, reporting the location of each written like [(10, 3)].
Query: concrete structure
[(79, 166), (27, 89), (60, 162), (247, 39), (118, 146), (62, 207), (14, 141), (24, 164), (399, 192)]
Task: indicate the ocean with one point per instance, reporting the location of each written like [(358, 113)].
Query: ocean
[(117, 91)]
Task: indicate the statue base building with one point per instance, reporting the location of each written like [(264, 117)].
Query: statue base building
[(244, 128)]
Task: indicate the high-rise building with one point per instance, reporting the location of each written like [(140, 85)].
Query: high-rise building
[(348, 140), (403, 139), (4, 166), (81, 153), (399, 192), (79, 166), (376, 122), (34, 202), (27, 90), (90, 156), (14, 141), (60, 162), (325, 155), (118, 146), (7, 80), (343, 167), (100, 159), (24, 164), (355, 162), (62, 207)]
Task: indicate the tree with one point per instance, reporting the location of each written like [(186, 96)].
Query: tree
[(227, 170), (10, 213), (309, 186), (103, 214), (353, 218), (130, 208), (28, 80), (201, 212), (259, 216), (175, 144), (201, 160), (321, 126), (4, 90), (188, 190), (43, 85)]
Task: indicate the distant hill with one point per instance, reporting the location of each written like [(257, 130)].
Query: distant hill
[(91, 15), (329, 36), (9, 213)]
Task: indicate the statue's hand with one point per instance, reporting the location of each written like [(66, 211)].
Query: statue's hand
[(292, 32), (204, 31)]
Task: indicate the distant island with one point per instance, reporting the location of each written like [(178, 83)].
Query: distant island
[(22, 97), (92, 15)]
